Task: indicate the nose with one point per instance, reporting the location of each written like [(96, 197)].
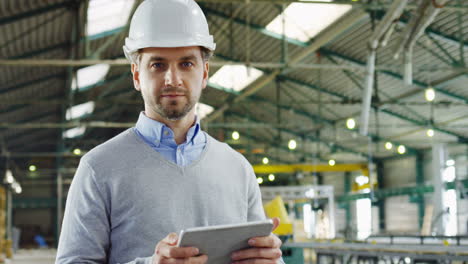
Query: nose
[(172, 77)]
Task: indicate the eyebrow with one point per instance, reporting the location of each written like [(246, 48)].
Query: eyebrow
[(185, 58)]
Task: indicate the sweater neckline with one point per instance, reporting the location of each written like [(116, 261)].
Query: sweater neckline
[(156, 154)]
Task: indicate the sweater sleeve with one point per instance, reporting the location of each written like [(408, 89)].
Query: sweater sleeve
[(85, 228), (85, 234), (256, 211)]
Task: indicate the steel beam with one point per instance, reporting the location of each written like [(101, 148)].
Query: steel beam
[(275, 74), (28, 14), (334, 30), (410, 190), (315, 118), (355, 4), (292, 168)]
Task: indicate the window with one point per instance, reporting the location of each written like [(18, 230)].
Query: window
[(80, 110), (107, 15), (304, 21), (235, 77), (89, 75), (203, 110), (74, 132)]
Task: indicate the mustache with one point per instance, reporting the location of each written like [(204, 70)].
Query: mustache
[(171, 89)]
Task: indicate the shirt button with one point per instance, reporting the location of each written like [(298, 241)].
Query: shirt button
[(166, 132)]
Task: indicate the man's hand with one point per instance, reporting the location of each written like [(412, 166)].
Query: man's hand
[(166, 252), (265, 250)]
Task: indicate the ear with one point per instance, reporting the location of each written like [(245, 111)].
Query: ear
[(206, 70), (136, 77)]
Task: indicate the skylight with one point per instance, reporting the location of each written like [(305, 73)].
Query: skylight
[(74, 132), (80, 110), (89, 75), (235, 77), (304, 21), (203, 110), (107, 15)]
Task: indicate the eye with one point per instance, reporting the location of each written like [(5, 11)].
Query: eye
[(187, 64), (157, 65)]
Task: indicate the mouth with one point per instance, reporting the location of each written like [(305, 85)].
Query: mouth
[(172, 95)]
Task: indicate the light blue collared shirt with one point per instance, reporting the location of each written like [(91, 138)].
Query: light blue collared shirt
[(161, 138)]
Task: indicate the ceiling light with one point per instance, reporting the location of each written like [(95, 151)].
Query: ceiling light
[(430, 133), (350, 123), (77, 151), (292, 144), (332, 162), (235, 135), (388, 145), (9, 177), (401, 149), (265, 160), (271, 177), (361, 180), (260, 180), (32, 168), (430, 94)]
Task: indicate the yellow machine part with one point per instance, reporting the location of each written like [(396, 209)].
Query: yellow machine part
[(276, 208)]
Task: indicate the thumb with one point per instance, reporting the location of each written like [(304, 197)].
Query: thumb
[(171, 239), (276, 222)]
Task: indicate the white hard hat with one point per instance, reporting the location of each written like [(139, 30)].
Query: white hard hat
[(167, 23)]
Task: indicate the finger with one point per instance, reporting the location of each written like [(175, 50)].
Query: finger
[(202, 259), (276, 223), (270, 241), (177, 252), (255, 261), (171, 239), (251, 253)]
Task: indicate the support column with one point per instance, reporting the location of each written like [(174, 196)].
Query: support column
[(59, 203), (9, 213), (381, 201), (347, 190), (420, 182), (438, 164)]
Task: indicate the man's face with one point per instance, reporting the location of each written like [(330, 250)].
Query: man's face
[(170, 80)]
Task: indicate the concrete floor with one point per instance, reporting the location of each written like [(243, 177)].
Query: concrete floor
[(36, 256)]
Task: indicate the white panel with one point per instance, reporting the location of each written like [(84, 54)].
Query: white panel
[(400, 172), (340, 221), (375, 220), (463, 217), (336, 179), (401, 216), (461, 167)]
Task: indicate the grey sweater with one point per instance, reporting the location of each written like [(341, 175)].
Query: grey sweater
[(125, 197)]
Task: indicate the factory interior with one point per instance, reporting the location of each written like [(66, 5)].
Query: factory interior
[(352, 113)]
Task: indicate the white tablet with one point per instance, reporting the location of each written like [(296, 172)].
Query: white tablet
[(219, 242)]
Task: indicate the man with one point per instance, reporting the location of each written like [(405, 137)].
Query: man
[(137, 189)]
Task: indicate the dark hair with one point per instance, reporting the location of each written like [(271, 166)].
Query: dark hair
[(205, 53)]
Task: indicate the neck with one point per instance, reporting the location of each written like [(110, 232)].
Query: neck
[(179, 127)]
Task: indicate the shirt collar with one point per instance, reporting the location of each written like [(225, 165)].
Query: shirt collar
[(152, 130)]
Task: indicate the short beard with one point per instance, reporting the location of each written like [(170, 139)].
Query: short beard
[(173, 115)]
